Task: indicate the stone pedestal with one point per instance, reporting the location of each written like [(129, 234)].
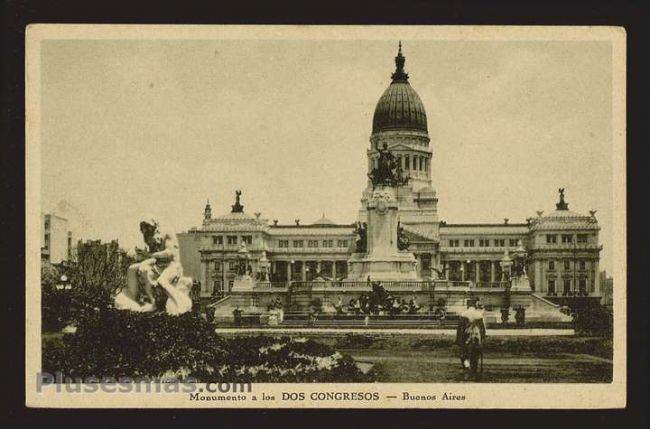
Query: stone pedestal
[(243, 283), (382, 260), (520, 284)]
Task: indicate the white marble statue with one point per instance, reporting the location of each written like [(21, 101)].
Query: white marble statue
[(160, 268)]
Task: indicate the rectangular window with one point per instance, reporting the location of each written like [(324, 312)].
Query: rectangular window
[(454, 243), (567, 238), (583, 265), (551, 265), (217, 266), (513, 242), (582, 284), (342, 243), (217, 239), (232, 239), (328, 243), (421, 164), (484, 242), (312, 243), (283, 243), (567, 286), (232, 265), (582, 238), (551, 239), (551, 287), (298, 243), (415, 163), (499, 243), (407, 162), (567, 265), (247, 239), (426, 262), (469, 243)]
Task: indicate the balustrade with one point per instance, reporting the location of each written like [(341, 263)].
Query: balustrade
[(413, 285)]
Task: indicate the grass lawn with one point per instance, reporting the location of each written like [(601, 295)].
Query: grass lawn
[(409, 366), (433, 358)]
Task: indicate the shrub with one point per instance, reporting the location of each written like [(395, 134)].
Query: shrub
[(115, 343), (593, 320)]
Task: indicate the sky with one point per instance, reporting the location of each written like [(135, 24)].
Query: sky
[(155, 128)]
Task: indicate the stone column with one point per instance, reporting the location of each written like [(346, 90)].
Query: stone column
[(492, 273), (596, 277), (304, 271), (540, 285), (289, 268), (224, 277), (334, 269), (462, 271), (318, 266), (477, 274), (204, 276)]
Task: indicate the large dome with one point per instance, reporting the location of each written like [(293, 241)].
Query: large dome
[(399, 107)]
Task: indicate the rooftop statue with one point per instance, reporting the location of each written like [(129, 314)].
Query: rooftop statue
[(160, 271), (388, 171), (237, 207), (562, 205)]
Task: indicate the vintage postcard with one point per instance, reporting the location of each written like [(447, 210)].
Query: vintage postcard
[(325, 216)]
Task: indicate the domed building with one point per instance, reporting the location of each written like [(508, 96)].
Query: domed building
[(565, 252), (528, 264)]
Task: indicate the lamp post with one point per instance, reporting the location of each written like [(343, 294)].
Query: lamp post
[(290, 276), (506, 276), (63, 288)]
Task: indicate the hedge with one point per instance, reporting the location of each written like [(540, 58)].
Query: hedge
[(114, 343)]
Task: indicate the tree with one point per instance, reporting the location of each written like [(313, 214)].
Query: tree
[(51, 304), (100, 271)]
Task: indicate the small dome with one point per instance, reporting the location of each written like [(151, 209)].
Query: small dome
[(563, 218), (399, 107), (235, 216), (323, 221)]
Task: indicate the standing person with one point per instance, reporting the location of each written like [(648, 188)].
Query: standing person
[(237, 312), (470, 336)]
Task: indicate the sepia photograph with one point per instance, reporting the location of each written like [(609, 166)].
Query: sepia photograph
[(314, 216)]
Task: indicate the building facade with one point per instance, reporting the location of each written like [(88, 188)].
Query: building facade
[(57, 241), (557, 254)]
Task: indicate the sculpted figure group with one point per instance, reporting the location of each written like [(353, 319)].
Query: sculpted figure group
[(159, 271), (388, 171)]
